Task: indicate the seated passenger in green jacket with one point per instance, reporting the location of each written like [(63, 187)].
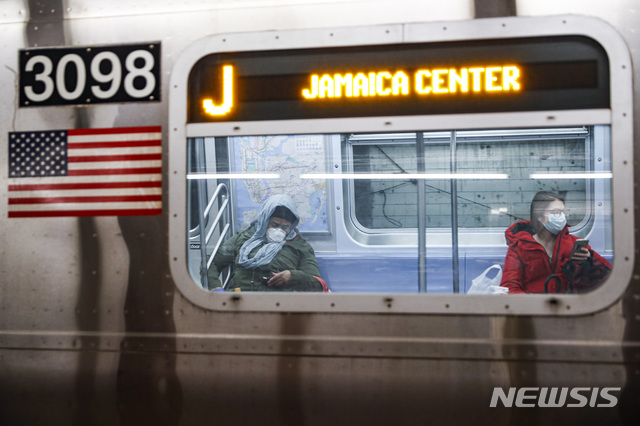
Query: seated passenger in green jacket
[(270, 255)]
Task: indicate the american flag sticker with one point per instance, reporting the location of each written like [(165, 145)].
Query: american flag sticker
[(86, 172)]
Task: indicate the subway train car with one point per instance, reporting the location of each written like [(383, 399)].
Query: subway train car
[(141, 140)]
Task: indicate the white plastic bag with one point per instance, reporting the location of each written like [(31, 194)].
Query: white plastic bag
[(482, 284)]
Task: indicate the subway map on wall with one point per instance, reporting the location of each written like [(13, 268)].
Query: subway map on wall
[(288, 157)]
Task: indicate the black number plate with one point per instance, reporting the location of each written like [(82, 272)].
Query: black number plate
[(90, 75)]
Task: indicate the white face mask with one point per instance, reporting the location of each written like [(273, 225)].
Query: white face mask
[(556, 223), (276, 235)]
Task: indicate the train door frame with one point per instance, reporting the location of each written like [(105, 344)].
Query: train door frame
[(619, 116)]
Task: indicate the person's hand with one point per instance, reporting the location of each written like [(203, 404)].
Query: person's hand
[(579, 256), (280, 279)]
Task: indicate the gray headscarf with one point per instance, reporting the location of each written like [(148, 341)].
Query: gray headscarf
[(267, 252)]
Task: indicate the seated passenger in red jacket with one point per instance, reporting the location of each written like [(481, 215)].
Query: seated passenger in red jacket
[(538, 257)]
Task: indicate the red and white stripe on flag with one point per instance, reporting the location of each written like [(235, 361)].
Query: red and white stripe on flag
[(86, 172)]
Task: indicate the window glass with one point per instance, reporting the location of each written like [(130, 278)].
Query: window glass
[(358, 214), (480, 203)]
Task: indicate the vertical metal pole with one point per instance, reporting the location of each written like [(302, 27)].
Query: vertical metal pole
[(202, 204), (454, 216), (422, 217)]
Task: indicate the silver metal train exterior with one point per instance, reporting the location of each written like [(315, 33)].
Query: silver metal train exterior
[(97, 326)]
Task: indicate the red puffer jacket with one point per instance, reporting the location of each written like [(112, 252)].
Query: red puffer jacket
[(528, 269)]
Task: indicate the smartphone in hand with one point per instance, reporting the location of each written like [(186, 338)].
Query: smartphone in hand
[(578, 246)]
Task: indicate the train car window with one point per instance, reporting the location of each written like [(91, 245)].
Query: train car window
[(475, 185), (395, 169), (380, 204)]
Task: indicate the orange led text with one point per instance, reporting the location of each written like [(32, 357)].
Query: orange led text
[(421, 82)]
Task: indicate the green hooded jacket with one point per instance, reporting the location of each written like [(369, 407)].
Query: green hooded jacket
[(296, 256)]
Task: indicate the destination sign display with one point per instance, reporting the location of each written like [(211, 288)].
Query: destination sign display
[(408, 79)]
